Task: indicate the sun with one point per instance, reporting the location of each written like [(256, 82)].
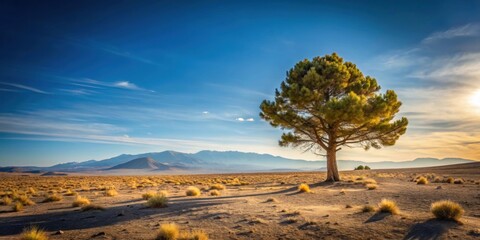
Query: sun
[(475, 99)]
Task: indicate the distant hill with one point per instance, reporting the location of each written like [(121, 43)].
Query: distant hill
[(141, 163), (228, 161)]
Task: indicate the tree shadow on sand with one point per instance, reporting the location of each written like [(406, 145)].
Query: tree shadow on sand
[(76, 219), (133, 209), (429, 230), (377, 217)]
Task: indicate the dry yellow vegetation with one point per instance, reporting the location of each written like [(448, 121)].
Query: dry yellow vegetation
[(33, 233)]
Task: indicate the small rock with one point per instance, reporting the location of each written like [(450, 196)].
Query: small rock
[(439, 187), (59, 232)]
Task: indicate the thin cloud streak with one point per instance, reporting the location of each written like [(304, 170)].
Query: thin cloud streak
[(24, 87), (95, 45), (467, 30)]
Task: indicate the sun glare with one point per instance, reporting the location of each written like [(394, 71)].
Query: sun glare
[(475, 99)]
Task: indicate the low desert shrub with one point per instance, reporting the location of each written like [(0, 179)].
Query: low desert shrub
[(217, 186), (111, 193), (304, 188), (33, 233), (192, 191), (157, 201), (372, 186), (447, 210), (388, 206), (91, 207), (214, 193), (361, 167), (80, 201), (368, 208), (422, 181), (168, 231), (17, 207), (53, 198)]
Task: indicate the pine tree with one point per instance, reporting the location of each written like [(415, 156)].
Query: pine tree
[(327, 103)]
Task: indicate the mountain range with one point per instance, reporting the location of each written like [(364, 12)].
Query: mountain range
[(217, 162)]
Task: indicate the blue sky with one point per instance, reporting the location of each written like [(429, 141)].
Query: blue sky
[(93, 79)]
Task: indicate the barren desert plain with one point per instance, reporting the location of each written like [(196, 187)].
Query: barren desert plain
[(244, 206)]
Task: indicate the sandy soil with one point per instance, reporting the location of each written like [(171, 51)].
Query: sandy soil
[(253, 206)]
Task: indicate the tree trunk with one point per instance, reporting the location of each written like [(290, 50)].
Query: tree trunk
[(332, 170)]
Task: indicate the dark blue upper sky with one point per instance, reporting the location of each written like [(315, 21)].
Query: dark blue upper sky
[(92, 79)]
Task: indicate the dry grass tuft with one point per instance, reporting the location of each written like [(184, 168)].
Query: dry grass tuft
[(304, 188), (388, 206), (32, 191), (447, 210), (369, 181), (215, 193), (368, 208), (80, 201), (192, 191), (171, 231), (372, 186), (25, 200), (148, 195), (17, 207), (194, 235), (33, 233), (217, 186), (91, 207), (168, 231), (158, 200), (450, 180), (111, 193), (6, 201), (70, 193), (52, 198), (422, 180)]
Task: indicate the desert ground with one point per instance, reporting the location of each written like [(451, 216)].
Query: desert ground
[(251, 206)]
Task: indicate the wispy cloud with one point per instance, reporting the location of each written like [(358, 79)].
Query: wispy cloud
[(467, 30), (400, 58), (240, 119), (95, 45), (23, 87), (78, 91), (239, 90), (458, 65), (35, 127), (127, 85), (92, 83)]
